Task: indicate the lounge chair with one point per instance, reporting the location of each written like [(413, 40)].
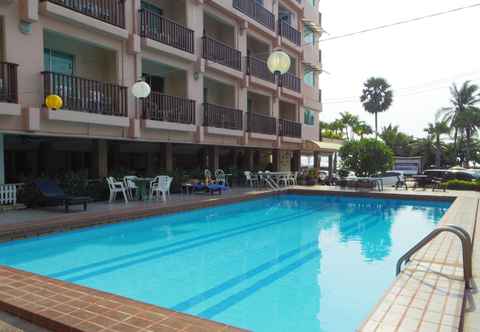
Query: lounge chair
[(54, 195)]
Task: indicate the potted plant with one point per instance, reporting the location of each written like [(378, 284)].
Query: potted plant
[(312, 177)]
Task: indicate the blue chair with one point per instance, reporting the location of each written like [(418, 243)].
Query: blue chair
[(54, 195)]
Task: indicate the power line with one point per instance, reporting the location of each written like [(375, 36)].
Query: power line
[(415, 19)]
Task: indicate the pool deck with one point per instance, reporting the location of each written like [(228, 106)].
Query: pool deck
[(428, 295)]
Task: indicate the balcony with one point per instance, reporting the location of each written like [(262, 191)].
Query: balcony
[(218, 52), (291, 82), (108, 11), (160, 107), (290, 33), (87, 96), (166, 31), (256, 11), (8, 83), (222, 117), (289, 128), (259, 68), (261, 124)]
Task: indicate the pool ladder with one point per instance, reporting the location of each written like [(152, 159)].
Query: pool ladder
[(466, 250)]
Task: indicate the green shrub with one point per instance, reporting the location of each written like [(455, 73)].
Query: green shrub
[(366, 157), (462, 185)]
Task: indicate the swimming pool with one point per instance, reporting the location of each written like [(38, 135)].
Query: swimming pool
[(283, 263)]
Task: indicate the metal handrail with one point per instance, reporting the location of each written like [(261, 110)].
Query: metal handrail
[(466, 250)]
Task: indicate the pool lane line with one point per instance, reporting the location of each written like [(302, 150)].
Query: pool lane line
[(268, 280), (168, 246), (187, 304), (184, 248)]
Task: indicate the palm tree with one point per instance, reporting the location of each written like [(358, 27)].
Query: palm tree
[(376, 97), (436, 130), (362, 129), (424, 147), (349, 120), (462, 100)]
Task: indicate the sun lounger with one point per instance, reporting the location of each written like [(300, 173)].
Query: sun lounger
[(54, 195)]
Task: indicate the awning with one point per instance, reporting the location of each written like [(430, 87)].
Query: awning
[(312, 25), (318, 146)]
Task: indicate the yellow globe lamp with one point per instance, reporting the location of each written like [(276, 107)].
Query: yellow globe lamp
[(278, 62), (54, 102)]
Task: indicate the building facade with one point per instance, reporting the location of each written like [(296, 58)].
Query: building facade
[(213, 104)]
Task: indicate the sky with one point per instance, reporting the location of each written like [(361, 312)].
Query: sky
[(420, 60)]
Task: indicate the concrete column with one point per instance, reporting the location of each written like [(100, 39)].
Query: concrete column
[(168, 157), (213, 158), (194, 11), (296, 161), (316, 159), (275, 160), (330, 165), (102, 158), (2, 159), (250, 163), (335, 162)]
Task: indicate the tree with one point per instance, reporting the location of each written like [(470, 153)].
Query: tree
[(361, 129), (397, 141), (349, 121), (424, 147), (462, 115), (366, 157), (376, 97), (435, 131)]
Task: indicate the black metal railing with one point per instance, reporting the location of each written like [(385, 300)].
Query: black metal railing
[(216, 51), (160, 107), (256, 11), (222, 117), (262, 124), (166, 31), (109, 11), (259, 68), (8, 82), (287, 31), (289, 128), (84, 95), (291, 82)]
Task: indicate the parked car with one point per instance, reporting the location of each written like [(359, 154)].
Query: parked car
[(391, 178), (447, 174)]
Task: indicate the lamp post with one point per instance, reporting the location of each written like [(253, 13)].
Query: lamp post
[(278, 63)]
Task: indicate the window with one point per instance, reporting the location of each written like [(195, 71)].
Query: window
[(249, 105), (308, 117), (285, 15), (260, 2), (308, 36), (309, 77), (157, 83), (58, 62), (151, 8), (312, 2)]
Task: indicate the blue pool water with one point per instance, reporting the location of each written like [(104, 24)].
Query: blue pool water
[(286, 263)]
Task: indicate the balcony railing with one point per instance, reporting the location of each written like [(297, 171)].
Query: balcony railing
[(256, 11), (259, 68), (216, 51), (162, 107), (291, 82), (287, 31), (8, 82), (222, 117), (165, 31), (289, 128), (84, 95), (109, 11), (262, 124)]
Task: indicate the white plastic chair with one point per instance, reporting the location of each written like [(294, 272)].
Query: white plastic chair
[(161, 186), (251, 179), (283, 179), (116, 187), (292, 178), (220, 177), (130, 186)]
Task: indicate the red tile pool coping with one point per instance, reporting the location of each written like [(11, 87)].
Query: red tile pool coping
[(64, 307)]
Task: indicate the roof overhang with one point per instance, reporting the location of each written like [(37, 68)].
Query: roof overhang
[(320, 146), (312, 25)]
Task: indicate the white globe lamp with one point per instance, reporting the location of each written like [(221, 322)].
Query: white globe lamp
[(278, 62), (141, 89)]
